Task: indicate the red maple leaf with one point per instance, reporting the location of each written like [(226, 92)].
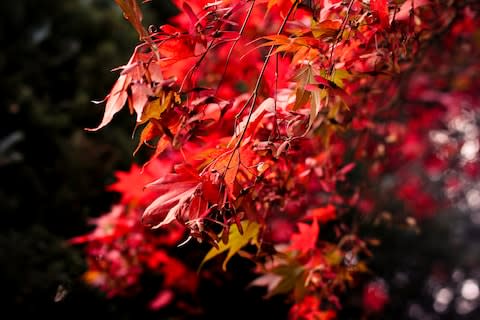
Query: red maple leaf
[(306, 238), (380, 9), (131, 184), (309, 308), (180, 198), (375, 297)]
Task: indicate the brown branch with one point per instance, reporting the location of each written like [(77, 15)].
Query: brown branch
[(249, 13), (339, 37)]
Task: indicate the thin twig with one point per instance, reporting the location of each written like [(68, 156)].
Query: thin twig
[(253, 96), (234, 45)]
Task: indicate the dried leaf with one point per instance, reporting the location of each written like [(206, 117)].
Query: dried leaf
[(302, 97), (133, 14), (115, 100)]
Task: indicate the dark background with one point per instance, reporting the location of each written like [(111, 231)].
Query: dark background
[(55, 59)]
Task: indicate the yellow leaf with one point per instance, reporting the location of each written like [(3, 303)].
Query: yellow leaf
[(339, 75), (155, 108), (334, 257), (236, 241)]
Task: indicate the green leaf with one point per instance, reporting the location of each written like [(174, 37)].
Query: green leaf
[(291, 275), (236, 241)]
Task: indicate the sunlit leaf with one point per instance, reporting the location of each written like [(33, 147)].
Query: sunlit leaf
[(134, 15), (116, 99), (326, 29), (236, 241), (306, 238), (380, 9), (176, 189)]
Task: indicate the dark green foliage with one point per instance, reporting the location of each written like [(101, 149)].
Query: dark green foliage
[(55, 58)]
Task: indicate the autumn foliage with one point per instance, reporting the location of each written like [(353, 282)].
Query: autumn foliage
[(272, 127)]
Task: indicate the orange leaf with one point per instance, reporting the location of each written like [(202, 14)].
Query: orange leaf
[(326, 29), (323, 215), (150, 131), (227, 164), (162, 144), (282, 5)]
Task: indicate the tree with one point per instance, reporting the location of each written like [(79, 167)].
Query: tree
[(286, 133)]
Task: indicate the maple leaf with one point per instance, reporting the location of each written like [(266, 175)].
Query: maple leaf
[(178, 190), (322, 82), (133, 14), (290, 44), (380, 9), (309, 308), (236, 241), (149, 132), (324, 214), (282, 5), (105, 226), (115, 100), (135, 84), (306, 238), (228, 164), (327, 29), (132, 184), (303, 78), (250, 123), (407, 7), (269, 280)]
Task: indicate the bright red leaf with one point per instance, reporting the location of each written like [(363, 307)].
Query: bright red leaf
[(380, 10), (177, 191), (305, 239)]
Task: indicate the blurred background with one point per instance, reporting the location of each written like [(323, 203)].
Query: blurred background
[(56, 57)]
